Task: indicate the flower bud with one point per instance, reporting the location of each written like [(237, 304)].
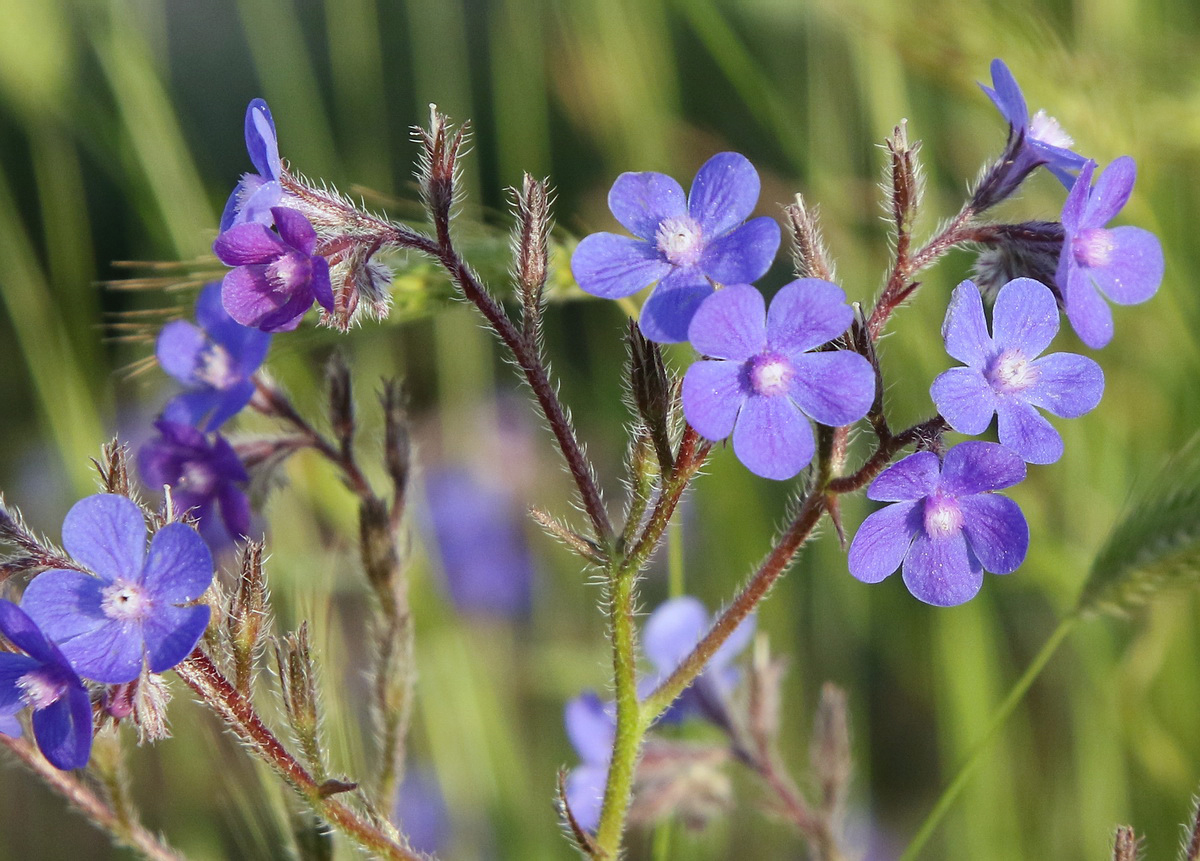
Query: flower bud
[(247, 615)]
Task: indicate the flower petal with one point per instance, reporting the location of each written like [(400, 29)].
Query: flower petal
[(1067, 385), (295, 229), (179, 567), (261, 141), (772, 438), (321, 287), (23, 632), (107, 533), (585, 794), (235, 511), (996, 530), (1077, 200), (171, 633), (178, 348), (965, 329), (672, 630), (591, 727), (942, 572), (244, 244), (807, 313), (1025, 317), (913, 477), (723, 193), (965, 399), (1135, 270), (977, 467), (669, 310), (1027, 432), (64, 730), (730, 324), (257, 206), (12, 668), (1110, 193), (247, 347), (744, 254), (882, 541), (612, 266), (1007, 96), (1090, 316), (833, 388), (641, 200), (713, 392)]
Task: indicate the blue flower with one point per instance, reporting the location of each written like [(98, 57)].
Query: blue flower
[(43, 680), (138, 608), (1003, 374), (256, 194), (420, 811), (591, 726), (215, 360), (685, 246)]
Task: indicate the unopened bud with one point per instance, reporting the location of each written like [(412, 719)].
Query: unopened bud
[(438, 173), (651, 392), (531, 247), (809, 255), (113, 468), (247, 615), (396, 439), (150, 707), (341, 398), (829, 751), (1125, 844), (298, 684), (905, 193), (1027, 250)]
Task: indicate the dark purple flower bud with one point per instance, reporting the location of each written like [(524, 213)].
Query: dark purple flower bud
[(1003, 374), (1121, 264), (45, 681), (139, 608), (763, 383), (685, 245), (278, 276), (257, 193), (203, 473), (215, 360), (945, 525)]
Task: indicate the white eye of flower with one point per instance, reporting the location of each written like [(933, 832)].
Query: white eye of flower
[(680, 240), (1045, 129)]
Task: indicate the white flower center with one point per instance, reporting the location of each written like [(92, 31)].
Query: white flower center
[(196, 477), (125, 602), (943, 517), (1045, 129), (288, 271), (214, 367), (41, 687), (680, 240), (1093, 247), (770, 374), (1011, 371)]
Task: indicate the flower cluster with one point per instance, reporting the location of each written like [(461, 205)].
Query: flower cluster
[(127, 611)]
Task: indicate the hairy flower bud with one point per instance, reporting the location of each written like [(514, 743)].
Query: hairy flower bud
[(438, 172), (298, 685), (247, 615), (651, 392), (341, 398), (829, 751), (810, 258), (531, 248)]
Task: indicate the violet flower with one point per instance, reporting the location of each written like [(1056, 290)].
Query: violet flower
[(44, 680), (591, 726), (215, 360), (762, 383), (945, 526), (277, 275), (202, 473), (1003, 374), (684, 245), (256, 194), (1122, 264), (420, 811), (138, 608)]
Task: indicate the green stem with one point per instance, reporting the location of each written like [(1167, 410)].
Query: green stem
[(951, 793)]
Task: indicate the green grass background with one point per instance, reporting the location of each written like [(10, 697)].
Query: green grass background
[(120, 136)]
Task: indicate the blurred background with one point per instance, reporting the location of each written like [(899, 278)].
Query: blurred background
[(121, 136)]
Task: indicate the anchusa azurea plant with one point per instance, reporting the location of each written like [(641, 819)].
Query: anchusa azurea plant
[(789, 374)]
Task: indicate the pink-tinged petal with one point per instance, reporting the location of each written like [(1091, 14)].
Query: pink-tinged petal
[(673, 630), (591, 727), (805, 314), (772, 438), (1027, 432), (107, 533), (977, 467), (245, 244), (1067, 385), (882, 541), (261, 141), (585, 794), (171, 634), (833, 388), (1090, 316), (295, 229), (23, 631), (1077, 200), (669, 310), (612, 266), (730, 324), (1110, 193), (64, 730), (914, 477), (713, 392), (965, 329), (942, 571), (1025, 317), (1134, 271), (179, 345), (641, 200), (1007, 96), (996, 530), (742, 255), (179, 567), (965, 399), (723, 193)]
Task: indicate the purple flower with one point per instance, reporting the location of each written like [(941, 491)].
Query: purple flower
[(130, 613), (1124, 264), (43, 679), (684, 245), (762, 382), (255, 196), (215, 360), (945, 526), (591, 726), (420, 811), (1003, 375), (9, 725), (1037, 140), (481, 543), (277, 275), (201, 473)]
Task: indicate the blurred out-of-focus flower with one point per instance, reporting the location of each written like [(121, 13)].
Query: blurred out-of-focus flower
[(420, 811), (591, 726)]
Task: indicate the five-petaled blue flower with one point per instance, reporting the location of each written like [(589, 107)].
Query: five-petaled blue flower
[(1003, 374), (256, 194), (945, 525), (761, 381), (43, 680), (1124, 264), (685, 245), (215, 360), (138, 609), (202, 473), (277, 275)]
